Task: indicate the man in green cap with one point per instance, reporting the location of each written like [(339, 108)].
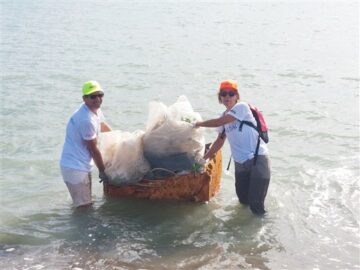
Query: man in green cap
[(80, 149)]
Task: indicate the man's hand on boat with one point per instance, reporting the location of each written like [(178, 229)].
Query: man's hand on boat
[(103, 177)]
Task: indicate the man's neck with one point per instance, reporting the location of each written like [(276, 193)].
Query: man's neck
[(93, 110)]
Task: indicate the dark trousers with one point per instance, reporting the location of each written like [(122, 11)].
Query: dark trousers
[(252, 182)]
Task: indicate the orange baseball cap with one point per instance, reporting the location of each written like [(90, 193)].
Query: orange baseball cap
[(228, 84)]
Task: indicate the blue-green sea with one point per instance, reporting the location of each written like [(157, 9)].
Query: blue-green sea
[(297, 60)]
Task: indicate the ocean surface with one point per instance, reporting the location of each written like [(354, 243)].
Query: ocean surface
[(298, 61)]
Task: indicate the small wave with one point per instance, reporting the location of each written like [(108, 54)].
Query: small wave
[(21, 239), (300, 75), (332, 191), (350, 79), (247, 75), (276, 44)]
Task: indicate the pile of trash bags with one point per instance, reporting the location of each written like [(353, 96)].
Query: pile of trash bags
[(123, 156), (169, 145)]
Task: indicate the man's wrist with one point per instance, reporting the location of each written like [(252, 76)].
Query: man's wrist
[(103, 177)]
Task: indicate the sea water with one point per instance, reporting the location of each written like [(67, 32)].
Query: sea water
[(298, 61)]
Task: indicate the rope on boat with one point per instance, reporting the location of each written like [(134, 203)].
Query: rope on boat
[(163, 169), (156, 182)]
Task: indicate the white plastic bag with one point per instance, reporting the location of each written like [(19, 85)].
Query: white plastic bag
[(170, 141), (123, 157)]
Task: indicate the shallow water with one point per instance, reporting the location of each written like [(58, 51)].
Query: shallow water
[(296, 60)]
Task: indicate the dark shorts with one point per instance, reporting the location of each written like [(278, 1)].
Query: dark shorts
[(252, 182)]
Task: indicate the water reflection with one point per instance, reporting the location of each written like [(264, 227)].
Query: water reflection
[(135, 233)]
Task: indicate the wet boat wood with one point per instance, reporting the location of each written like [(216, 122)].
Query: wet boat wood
[(195, 186)]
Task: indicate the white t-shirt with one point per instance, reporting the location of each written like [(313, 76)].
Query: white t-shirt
[(83, 125), (242, 143)]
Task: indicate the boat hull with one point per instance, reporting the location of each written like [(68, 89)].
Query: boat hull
[(195, 186)]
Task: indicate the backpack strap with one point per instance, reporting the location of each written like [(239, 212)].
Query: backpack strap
[(258, 142), (247, 123), (257, 150), (222, 137), (222, 133)]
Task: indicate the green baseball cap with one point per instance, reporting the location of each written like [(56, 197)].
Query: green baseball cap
[(91, 87)]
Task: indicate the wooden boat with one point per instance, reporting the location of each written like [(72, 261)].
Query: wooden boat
[(195, 186)]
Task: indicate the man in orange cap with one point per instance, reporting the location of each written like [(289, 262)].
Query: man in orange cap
[(251, 178)]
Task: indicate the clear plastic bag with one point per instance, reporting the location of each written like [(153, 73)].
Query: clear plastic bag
[(170, 141), (123, 157)]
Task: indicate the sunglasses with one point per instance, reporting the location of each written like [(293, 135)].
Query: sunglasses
[(95, 96), (230, 94)]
